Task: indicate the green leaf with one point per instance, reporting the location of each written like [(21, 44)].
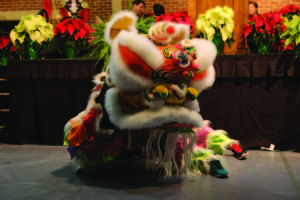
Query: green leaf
[(298, 38), (21, 38), (289, 41), (256, 40), (20, 28), (272, 40), (264, 34)]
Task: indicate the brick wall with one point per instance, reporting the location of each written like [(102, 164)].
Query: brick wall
[(178, 5), (274, 5), (104, 7), (12, 5), (97, 7), (170, 5)]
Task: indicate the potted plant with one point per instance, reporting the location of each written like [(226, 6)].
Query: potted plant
[(4, 41), (291, 36), (289, 11), (145, 22), (72, 36), (263, 32), (99, 47), (217, 26), (31, 35)]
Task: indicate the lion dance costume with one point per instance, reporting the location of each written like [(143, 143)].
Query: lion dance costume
[(146, 102)]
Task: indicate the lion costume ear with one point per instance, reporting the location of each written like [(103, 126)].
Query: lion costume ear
[(122, 21)]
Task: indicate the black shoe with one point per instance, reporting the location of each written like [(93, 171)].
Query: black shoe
[(239, 153)]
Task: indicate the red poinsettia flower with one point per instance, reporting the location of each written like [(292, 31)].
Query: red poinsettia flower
[(258, 26), (168, 18), (270, 26), (176, 15), (4, 41), (279, 47), (281, 20), (179, 17), (293, 8), (289, 9), (285, 10), (247, 29), (282, 27), (276, 17), (289, 47), (73, 28)]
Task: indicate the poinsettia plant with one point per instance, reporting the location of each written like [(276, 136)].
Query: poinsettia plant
[(291, 36), (33, 31), (217, 25), (177, 17), (74, 34), (4, 41), (289, 11), (266, 30)]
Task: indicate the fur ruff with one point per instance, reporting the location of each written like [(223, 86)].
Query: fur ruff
[(205, 83), (98, 77), (108, 76), (148, 118), (192, 105), (92, 102), (206, 53)]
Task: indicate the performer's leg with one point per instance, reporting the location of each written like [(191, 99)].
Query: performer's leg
[(220, 143), (206, 162)]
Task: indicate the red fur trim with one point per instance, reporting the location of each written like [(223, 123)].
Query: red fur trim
[(135, 63)]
